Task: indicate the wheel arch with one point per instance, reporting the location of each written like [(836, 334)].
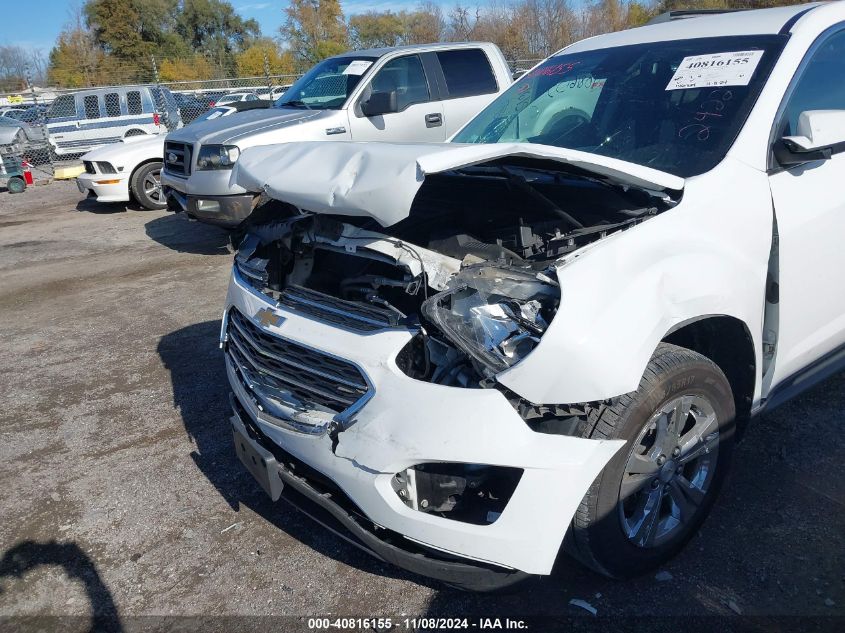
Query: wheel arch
[(136, 168), (727, 341)]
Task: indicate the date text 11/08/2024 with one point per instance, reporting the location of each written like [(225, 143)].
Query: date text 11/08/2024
[(417, 624)]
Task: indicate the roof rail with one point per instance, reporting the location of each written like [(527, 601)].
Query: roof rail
[(684, 14)]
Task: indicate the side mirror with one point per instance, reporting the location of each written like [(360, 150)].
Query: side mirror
[(380, 103), (819, 132)]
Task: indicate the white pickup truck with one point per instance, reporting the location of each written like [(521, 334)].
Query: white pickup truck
[(422, 93), (552, 329)]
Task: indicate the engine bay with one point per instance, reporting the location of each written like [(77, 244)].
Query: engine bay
[(470, 271)]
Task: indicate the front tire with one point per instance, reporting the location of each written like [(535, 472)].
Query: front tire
[(146, 186), (654, 494)]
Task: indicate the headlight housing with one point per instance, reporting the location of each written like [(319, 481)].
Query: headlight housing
[(212, 157), (496, 315)]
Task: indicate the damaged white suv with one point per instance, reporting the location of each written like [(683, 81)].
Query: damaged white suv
[(551, 330)]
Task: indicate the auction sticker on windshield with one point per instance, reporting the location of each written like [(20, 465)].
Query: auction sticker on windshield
[(715, 70), (357, 67)]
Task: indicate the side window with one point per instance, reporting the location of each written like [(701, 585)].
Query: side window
[(468, 72), (64, 106), (406, 76), (821, 85), (112, 101), (133, 102), (92, 107)]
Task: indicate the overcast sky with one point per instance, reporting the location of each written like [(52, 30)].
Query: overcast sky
[(36, 24)]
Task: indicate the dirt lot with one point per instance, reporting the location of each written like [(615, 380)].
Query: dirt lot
[(121, 494)]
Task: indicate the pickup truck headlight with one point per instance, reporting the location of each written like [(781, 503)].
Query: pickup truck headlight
[(213, 157), (495, 314)]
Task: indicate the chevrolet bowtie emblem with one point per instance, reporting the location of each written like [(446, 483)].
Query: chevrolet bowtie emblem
[(266, 317)]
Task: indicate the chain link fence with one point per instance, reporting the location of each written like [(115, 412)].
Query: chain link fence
[(45, 131)]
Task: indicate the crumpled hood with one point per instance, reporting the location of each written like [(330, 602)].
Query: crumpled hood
[(380, 180), (228, 129)]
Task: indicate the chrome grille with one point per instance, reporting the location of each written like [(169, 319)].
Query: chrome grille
[(300, 375), (353, 315), (177, 158)]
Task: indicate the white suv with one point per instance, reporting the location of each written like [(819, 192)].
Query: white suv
[(553, 329)]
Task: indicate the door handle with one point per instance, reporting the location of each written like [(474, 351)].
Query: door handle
[(433, 120)]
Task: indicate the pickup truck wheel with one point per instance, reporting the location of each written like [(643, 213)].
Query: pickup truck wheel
[(654, 494), (146, 186)]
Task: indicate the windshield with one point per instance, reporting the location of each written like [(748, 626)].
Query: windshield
[(672, 106), (327, 86)]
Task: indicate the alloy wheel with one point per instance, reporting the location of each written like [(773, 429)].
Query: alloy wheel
[(669, 471)]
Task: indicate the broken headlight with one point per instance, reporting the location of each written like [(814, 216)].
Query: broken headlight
[(495, 315)]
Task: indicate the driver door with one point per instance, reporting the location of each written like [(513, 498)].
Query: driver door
[(419, 119), (809, 206)]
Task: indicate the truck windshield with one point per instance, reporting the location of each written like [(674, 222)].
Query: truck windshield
[(327, 86), (675, 106)]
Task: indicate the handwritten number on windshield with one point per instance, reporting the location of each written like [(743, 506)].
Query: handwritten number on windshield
[(710, 109)]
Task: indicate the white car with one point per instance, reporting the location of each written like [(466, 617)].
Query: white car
[(552, 330), (132, 168), (234, 97)]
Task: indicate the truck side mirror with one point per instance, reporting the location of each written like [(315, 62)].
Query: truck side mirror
[(380, 103), (819, 133)]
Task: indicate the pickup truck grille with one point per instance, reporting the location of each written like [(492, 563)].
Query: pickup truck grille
[(300, 375), (352, 315), (177, 158)]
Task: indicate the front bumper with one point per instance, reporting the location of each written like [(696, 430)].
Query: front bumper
[(406, 422), (225, 211), (104, 187), (207, 196), (331, 509)]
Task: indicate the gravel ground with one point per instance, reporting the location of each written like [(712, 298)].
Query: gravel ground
[(121, 495)]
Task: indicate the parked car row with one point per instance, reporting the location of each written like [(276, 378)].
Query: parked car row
[(548, 333), (129, 170), (81, 121)]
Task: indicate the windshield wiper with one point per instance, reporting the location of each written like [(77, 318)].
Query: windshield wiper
[(296, 103)]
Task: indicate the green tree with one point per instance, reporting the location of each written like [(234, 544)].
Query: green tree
[(212, 27), (373, 29), (314, 30), (75, 60), (129, 29)]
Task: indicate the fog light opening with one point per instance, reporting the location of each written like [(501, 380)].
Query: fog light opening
[(471, 493), (208, 205)]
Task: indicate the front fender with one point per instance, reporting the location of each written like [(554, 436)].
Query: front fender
[(621, 296)]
